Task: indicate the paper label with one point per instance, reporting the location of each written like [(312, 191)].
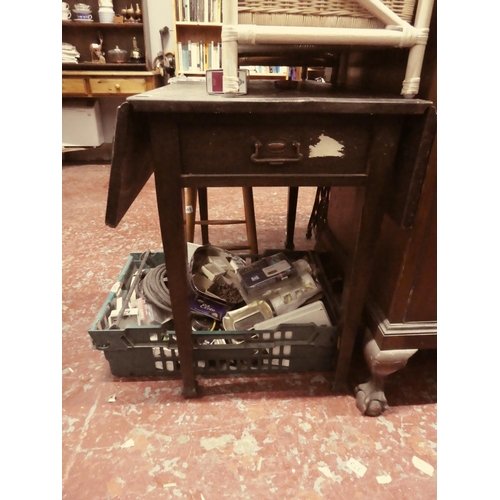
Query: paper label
[(383, 479), (356, 467), (279, 267), (423, 466)]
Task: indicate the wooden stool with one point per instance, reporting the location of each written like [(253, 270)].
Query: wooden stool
[(192, 194)]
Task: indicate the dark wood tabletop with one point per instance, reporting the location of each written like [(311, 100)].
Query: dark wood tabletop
[(264, 97)]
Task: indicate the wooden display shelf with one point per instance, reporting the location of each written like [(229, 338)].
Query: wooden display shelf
[(190, 24), (115, 67), (96, 24)]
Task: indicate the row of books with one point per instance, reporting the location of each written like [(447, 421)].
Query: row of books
[(199, 11), (197, 57), (265, 70)]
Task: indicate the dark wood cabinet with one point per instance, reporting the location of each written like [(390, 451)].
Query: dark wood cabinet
[(401, 308)]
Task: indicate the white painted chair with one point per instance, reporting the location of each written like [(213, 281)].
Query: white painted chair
[(326, 23)]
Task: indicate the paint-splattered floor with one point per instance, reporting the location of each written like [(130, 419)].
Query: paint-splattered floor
[(284, 436)]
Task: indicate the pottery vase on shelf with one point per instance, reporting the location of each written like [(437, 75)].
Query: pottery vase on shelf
[(138, 13), (106, 15)]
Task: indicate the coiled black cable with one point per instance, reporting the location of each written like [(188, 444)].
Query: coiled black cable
[(155, 288)]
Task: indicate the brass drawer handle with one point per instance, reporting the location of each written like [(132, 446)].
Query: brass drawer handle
[(277, 160)]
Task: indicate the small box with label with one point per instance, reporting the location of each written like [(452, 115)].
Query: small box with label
[(215, 77), (265, 272)]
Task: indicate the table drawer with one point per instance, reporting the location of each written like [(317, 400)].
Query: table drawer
[(117, 86), (275, 144), (74, 86)]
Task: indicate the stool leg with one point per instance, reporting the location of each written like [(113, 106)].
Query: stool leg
[(190, 205), (293, 194), (250, 219), (203, 207)]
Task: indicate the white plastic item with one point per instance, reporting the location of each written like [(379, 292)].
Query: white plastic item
[(311, 313), (293, 293), (81, 123), (212, 271), (191, 248), (245, 317)]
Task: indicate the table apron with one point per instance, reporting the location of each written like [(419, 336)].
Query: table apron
[(275, 146), (293, 180)]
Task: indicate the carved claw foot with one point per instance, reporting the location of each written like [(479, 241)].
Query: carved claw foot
[(370, 397), (370, 400)]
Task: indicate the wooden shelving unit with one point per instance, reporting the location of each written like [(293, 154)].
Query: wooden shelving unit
[(96, 24), (88, 78), (190, 34)]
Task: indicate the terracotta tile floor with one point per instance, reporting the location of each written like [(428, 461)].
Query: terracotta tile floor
[(286, 437)]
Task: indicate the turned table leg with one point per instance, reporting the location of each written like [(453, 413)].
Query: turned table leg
[(370, 397)]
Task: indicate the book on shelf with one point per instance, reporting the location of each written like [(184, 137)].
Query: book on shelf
[(199, 64), (183, 55), (266, 70), (199, 11), (194, 57), (197, 57), (179, 10), (190, 56), (180, 58)]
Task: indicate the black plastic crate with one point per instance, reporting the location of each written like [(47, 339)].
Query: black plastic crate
[(151, 350)]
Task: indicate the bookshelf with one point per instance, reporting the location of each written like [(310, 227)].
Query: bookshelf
[(198, 47), (198, 26)]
